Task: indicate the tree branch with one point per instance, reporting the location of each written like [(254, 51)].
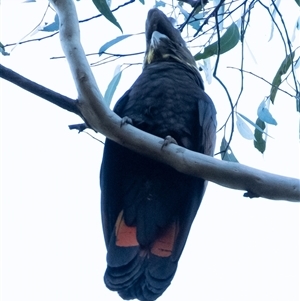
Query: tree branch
[(101, 119), (60, 100)]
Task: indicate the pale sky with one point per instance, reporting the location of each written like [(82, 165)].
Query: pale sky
[(52, 242)]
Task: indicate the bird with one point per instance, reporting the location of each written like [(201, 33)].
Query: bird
[(147, 207)]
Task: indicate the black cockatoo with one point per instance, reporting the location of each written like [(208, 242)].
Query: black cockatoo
[(147, 206)]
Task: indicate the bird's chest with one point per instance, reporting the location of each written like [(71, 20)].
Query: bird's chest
[(164, 105)]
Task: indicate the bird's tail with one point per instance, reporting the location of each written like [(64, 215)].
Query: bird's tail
[(140, 272)]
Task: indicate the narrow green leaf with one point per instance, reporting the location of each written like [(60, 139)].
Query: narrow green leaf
[(106, 12), (142, 1), (113, 42), (228, 41), (298, 102), (228, 155), (298, 2), (284, 67), (112, 86), (259, 142)]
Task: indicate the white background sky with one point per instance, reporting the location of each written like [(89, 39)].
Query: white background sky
[(52, 243)]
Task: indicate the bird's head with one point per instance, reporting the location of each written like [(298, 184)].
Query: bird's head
[(164, 41)]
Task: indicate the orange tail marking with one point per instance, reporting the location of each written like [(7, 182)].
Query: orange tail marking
[(163, 246), (125, 236)]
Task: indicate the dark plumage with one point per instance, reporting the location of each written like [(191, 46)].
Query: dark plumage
[(148, 207)]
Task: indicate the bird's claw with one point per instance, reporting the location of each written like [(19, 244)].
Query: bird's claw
[(168, 140), (125, 120), (250, 195)]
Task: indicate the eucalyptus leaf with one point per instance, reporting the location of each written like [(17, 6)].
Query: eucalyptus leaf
[(228, 154), (201, 4), (207, 70), (243, 128), (298, 102), (298, 23), (192, 21), (274, 13), (54, 26), (160, 3), (252, 123), (107, 45), (264, 114), (112, 86), (259, 142), (284, 67), (297, 64), (106, 12), (2, 49), (228, 41), (195, 20), (184, 12), (220, 13)]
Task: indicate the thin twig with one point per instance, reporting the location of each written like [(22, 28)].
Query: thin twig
[(222, 84), (80, 21), (213, 13), (249, 72)]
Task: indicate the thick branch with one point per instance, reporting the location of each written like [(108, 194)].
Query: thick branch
[(101, 119), (60, 100), (232, 175)]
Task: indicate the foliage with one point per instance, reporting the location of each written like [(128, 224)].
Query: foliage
[(104, 9), (283, 69), (228, 41)]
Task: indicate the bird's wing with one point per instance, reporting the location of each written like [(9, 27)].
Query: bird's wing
[(207, 125), (145, 271)]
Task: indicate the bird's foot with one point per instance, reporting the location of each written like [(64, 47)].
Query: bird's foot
[(80, 127), (168, 140), (125, 120), (250, 195)]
